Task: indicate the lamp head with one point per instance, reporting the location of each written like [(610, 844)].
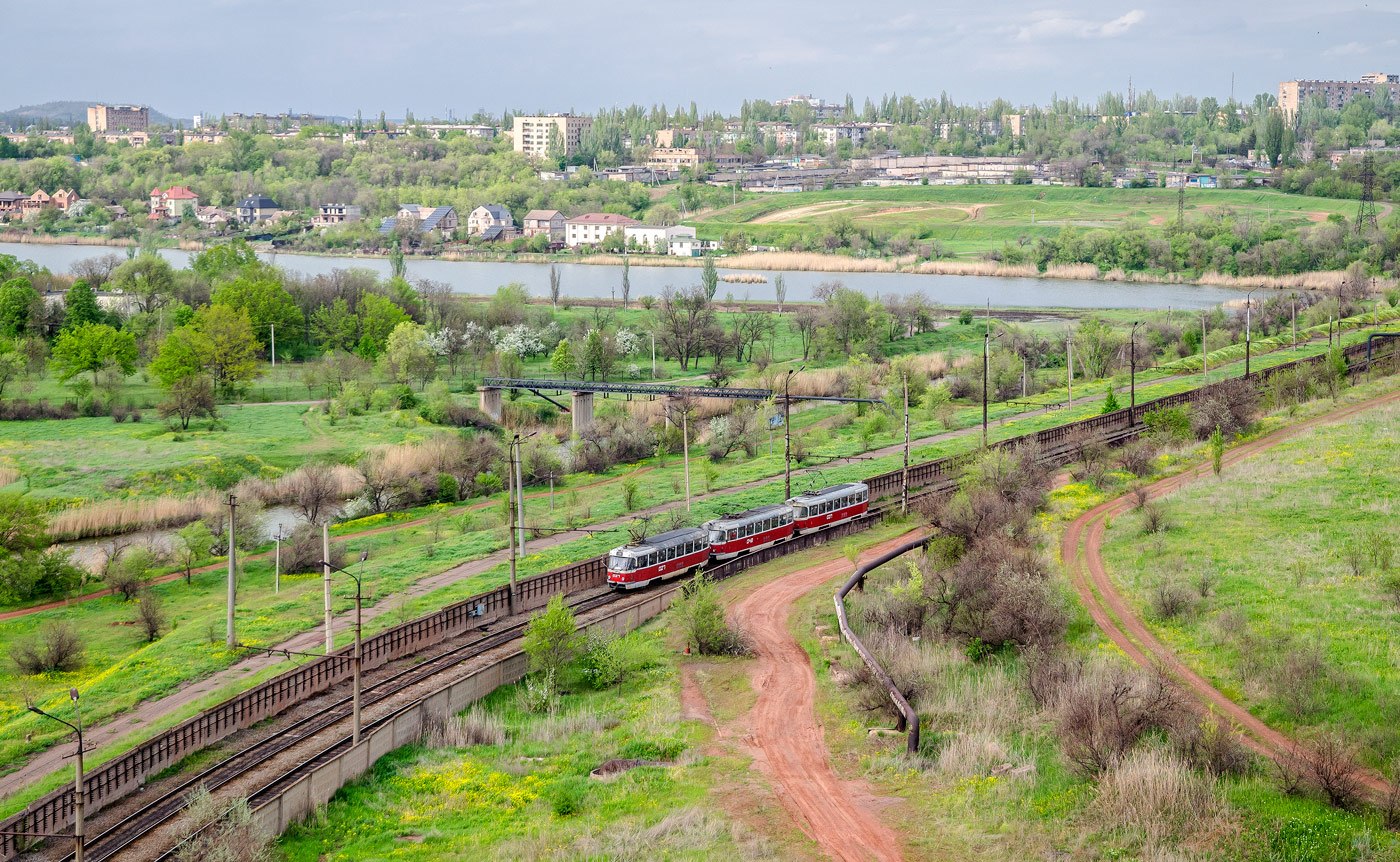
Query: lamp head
[(364, 555), (73, 695)]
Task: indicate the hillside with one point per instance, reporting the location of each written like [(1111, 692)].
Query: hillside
[(62, 113)]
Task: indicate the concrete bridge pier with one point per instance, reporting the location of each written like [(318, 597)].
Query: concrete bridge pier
[(582, 411), (491, 402)]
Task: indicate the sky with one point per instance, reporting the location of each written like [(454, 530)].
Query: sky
[(183, 57)]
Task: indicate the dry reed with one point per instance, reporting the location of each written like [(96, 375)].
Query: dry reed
[(8, 475), (114, 517), (1083, 271), (743, 278), (1155, 793), (43, 239)]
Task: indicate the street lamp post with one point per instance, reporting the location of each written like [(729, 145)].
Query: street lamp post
[(79, 794), (787, 433), (229, 638), (512, 480), (359, 653)]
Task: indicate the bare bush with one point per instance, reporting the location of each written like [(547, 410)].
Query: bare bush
[(1212, 745), (313, 490), (1332, 768), (302, 552), (1231, 406), (474, 727), (1138, 458), (1107, 711), (151, 616), (1049, 675), (1000, 592), (216, 830), (1155, 519), (1170, 599), (1297, 676), (1290, 770), (1140, 497), (56, 648)]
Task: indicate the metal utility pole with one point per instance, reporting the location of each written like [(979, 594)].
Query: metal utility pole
[(358, 654), (787, 433), (510, 531), (904, 478), (986, 372), (79, 792), (272, 328), (326, 583), (277, 562), (1069, 356), (653, 355), (1205, 372), (685, 450), (1248, 307), (1132, 374), (229, 639), (1295, 321)]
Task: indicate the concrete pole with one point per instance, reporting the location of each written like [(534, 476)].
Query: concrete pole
[(359, 659), (79, 791), (229, 639), (904, 478), (326, 583), (1205, 357), (277, 562), (510, 532), (685, 450), (986, 372), (272, 327), (1069, 356)]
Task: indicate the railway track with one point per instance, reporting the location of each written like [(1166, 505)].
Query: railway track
[(923, 483), (160, 811)]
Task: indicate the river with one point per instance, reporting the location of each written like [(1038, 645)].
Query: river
[(594, 281)]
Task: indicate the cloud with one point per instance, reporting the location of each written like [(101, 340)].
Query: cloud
[(1350, 49), (1054, 25)]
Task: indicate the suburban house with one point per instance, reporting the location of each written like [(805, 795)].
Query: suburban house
[(500, 233), (689, 246), (426, 218), (655, 239), (10, 202), (35, 202), (334, 214), (255, 208), (488, 216), (171, 202), (211, 216), (548, 222), (64, 199), (593, 228)]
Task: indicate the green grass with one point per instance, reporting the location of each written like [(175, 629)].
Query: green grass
[(1275, 532), (1007, 212)]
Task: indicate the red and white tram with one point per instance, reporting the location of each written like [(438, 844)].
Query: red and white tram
[(829, 506), (758, 528), (661, 556)]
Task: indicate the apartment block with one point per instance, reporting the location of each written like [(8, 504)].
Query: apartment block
[(532, 135), (112, 118), (1335, 94), (674, 158)]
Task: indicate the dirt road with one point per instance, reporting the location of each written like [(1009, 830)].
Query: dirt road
[(1081, 550), (787, 739)]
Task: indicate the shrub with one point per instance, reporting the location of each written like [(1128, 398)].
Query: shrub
[(130, 574), (1155, 519), (702, 620), (1230, 406), (551, 638), (1103, 714), (1170, 600), (1171, 423), (1110, 401), (214, 829), (631, 493), (447, 488), (1138, 458), (1156, 793), (1212, 745), (302, 552), (56, 648), (1331, 767), (151, 616), (965, 317)]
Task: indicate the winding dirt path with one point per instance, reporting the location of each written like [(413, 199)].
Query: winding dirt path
[(787, 739), (1081, 551)]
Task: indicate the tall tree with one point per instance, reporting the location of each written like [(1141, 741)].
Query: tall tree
[(92, 347), (626, 281), (267, 304), (709, 278), (17, 304), (80, 306), (149, 278)]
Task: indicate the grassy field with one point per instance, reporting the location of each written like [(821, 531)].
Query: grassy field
[(1298, 622), (973, 219), (528, 796)]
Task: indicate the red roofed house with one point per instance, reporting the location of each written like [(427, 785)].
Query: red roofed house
[(171, 202), (593, 228), (36, 201), (64, 198)]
